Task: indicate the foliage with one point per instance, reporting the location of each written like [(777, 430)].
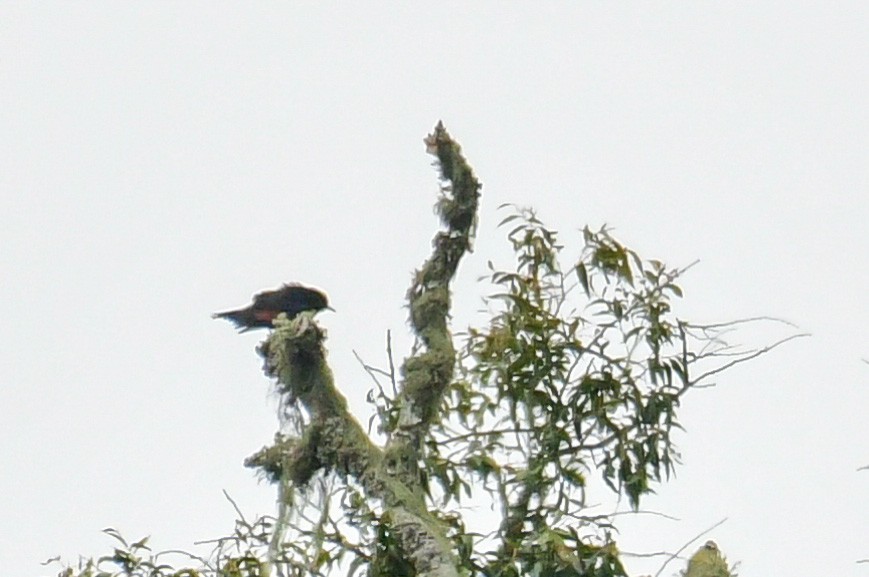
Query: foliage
[(241, 554), (580, 369), (578, 374)]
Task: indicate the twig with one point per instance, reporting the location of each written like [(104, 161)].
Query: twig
[(744, 321), (371, 370), (391, 363), (237, 510), (749, 357)]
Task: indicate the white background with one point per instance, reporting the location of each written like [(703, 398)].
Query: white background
[(163, 160)]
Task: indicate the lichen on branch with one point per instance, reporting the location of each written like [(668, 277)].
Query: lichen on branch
[(428, 373), (332, 441)]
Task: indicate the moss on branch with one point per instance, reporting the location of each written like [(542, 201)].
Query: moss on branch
[(429, 373), (333, 441)]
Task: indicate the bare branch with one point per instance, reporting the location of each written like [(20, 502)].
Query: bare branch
[(749, 356)]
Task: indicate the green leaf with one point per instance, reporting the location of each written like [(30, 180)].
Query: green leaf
[(582, 275), (507, 219), (114, 533)]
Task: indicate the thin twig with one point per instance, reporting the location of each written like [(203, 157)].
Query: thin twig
[(391, 363), (202, 560), (371, 370), (749, 357), (235, 506), (641, 512)]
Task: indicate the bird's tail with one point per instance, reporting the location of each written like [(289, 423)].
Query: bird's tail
[(241, 318)]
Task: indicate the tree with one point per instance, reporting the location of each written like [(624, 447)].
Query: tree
[(578, 375)]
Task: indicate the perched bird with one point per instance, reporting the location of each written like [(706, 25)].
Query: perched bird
[(707, 562), (290, 299)]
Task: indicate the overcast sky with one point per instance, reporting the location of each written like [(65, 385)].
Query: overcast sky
[(164, 160)]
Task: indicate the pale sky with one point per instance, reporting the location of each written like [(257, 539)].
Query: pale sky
[(164, 160)]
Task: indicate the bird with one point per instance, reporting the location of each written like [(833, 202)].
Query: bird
[(707, 562), (291, 298)]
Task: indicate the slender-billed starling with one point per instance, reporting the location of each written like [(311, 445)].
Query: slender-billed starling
[(290, 299)]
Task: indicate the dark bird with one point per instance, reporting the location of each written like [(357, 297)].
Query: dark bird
[(290, 299)]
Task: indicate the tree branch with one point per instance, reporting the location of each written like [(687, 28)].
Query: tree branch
[(428, 373), (333, 440)]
